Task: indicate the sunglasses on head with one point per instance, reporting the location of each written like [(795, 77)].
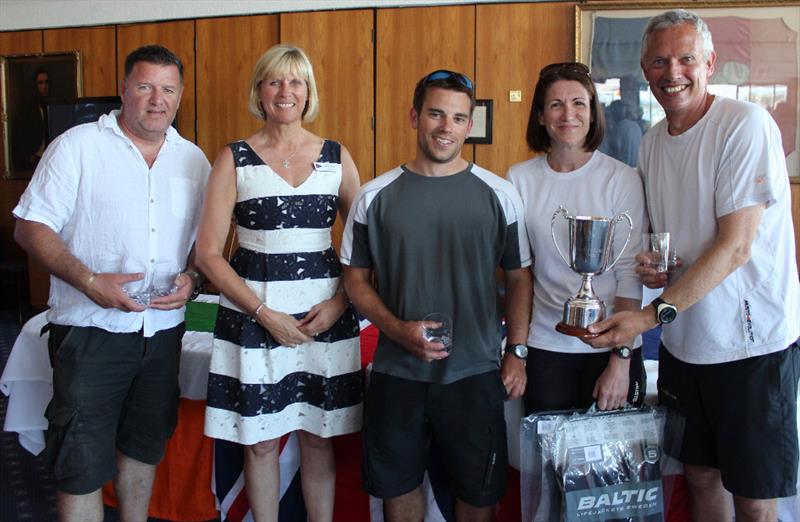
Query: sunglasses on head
[(443, 74), (555, 68)]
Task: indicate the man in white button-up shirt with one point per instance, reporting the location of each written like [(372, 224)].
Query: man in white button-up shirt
[(113, 205)]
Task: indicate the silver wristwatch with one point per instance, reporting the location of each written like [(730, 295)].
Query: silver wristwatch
[(520, 351)]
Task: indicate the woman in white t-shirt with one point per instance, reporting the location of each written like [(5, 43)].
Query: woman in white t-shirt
[(566, 123)]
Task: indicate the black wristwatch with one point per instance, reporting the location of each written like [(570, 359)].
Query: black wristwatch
[(665, 312), (520, 351), (623, 352)]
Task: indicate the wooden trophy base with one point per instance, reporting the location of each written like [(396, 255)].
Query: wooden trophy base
[(574, 331)]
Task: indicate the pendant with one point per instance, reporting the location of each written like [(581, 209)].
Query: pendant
[(286, 163)]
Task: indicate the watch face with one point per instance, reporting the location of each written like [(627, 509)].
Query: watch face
[(520, 350), (666, 313), (623, 352)]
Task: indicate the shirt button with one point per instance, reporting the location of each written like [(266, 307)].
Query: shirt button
[(152, 260), (152, 200), (152, 230)]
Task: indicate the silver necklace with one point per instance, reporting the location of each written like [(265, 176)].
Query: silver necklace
[(285, 161)]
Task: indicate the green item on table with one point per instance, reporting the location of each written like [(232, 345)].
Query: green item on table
[(200, 317)]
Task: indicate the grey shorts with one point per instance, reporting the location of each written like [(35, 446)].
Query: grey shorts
[(111, 392)]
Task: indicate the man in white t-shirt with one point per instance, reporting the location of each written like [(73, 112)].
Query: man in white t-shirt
[(115, 204), (715, 177)]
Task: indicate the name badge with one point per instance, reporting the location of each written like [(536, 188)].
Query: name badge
[(325, 167)]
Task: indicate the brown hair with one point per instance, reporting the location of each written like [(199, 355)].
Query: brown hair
[(536, 136), (155, 54), (444, 79)]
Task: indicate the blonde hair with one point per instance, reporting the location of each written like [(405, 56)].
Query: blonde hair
[(279, 61)]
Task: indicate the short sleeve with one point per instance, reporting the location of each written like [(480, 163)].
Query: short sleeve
[(51, 195), (355, 240), (751, 164), (517, 252)]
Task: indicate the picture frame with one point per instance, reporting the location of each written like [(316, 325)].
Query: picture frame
[(758, 59), (481, 123), (28, 83)]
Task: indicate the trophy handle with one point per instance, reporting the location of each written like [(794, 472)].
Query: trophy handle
[(560, 210), (619, 217)]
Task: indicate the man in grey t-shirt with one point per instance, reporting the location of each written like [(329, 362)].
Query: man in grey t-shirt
[(433, 232)]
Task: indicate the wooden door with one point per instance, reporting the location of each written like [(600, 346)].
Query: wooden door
[(339, 44), (411, 43), (514, 41), (98, 48), (227, 51), (178, 37)]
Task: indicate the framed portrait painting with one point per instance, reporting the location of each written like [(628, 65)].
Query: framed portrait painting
[(758, 57), (28, 83)]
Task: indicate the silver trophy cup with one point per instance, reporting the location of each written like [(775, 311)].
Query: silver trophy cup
[(590, 249)]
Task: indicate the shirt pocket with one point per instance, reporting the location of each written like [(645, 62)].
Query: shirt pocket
[(106, 262), (183, 197)]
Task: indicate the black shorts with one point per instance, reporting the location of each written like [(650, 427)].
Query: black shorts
[(740, 417), (463, 420), (111, 392), (565, 381)]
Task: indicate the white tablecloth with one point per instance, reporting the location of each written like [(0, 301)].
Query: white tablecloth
[(28, 378)]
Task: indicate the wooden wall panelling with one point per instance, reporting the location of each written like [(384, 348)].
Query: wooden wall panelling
[(17, 42), (410, 43), (343, 69), (227, 51), (514, 41), (20, 42), (98, 48), (179, 38)]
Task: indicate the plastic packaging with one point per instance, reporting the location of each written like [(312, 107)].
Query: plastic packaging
[(595, 466)]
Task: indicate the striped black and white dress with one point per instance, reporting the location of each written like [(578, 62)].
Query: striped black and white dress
[(257, 389)]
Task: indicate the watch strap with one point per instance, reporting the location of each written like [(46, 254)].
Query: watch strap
[(660, 306)]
